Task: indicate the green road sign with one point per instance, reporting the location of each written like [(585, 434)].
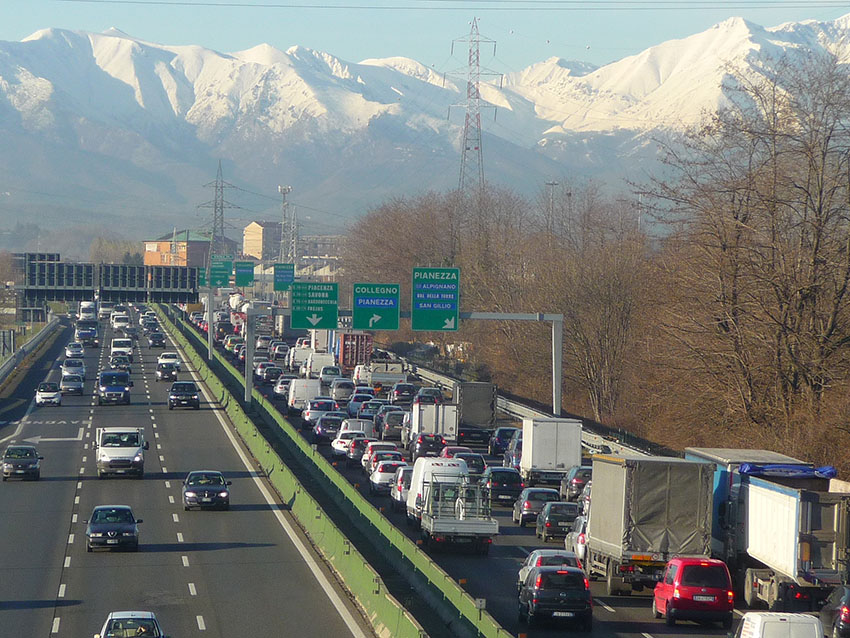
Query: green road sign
[(435, 301), (244, 273), (220, 268), (284, 275), (375, 307), (202, 277), (314, 305)]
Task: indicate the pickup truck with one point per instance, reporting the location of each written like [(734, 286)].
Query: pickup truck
[(457, 513)]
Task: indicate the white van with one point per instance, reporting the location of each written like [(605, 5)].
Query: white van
[(367, 426), (298, 356), (765, 624), (301, 392), (316, 361), (122, 346), (425, 471), (119, 321)]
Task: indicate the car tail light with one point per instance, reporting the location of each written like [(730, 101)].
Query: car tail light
[(522, 485), (576, 480), (419, 440), (548, 524), (586, 582), (539, 561), (442, 441), (845, 613), (580, 539), (730, 596), (526, 505), (538, 582)]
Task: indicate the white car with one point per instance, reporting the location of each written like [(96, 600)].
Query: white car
[(169, 357), (131, 623), (74, 349), (382, 479), (339, 446), (74, 366), (399, 487), (373, 447), (328, 374), (48, 393)]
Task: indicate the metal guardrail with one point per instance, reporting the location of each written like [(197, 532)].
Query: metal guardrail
[(12, 362), (593, 441)]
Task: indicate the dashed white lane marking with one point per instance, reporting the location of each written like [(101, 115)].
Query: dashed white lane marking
[(85, 458), (77, 500), (185, 560), (88, 434), (156, 434), (85, 446), (67, 561), (61, 593), (55, 629), (202, 626), (168, 484), (73, 518), (150, 410), (161, 458), (79, 485), (82, 470), (170, 499), (606, 607), (70, 539), (645, 635), (179, 537), (175, 518), (158, 446), (153, 418), (164, 470), (192, 590)]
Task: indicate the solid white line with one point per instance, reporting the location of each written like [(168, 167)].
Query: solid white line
[(179, 537), (185, 560), (201, 624), (175, 518), (61, 593), (55, 629), (67, 561), (606, 607), (321, 578)]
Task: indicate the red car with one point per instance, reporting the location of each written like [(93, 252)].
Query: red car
[(450, 450), (697, 589)]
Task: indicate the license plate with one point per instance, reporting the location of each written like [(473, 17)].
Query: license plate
[(463, 540), (563, 524), (111, 541), (120, 471), (706, 599), (206, 500), (563, 614), (505, 496), (20, 471)]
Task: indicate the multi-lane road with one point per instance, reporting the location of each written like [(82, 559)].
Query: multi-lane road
[(243, 572)]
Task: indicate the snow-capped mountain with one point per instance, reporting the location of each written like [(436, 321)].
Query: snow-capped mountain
[(110, 129)]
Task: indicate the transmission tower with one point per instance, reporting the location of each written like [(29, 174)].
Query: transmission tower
[(291, 236), (217, 243), (285, 224), (471, 180)]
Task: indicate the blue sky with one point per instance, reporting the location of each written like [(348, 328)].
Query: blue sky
[(594, 31)]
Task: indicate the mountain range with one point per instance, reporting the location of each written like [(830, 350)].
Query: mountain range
[(106, 134)]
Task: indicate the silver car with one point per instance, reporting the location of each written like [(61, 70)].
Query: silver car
[(75, 349), (71, 384), (576, 540), (74, 366)]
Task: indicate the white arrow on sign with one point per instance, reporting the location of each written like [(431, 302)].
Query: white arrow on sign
[(39, 439), (374, 319), (449, 324), (314, 319)]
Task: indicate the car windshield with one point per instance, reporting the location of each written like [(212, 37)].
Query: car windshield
[(19, 453), (112, 516), (183, 387), (197, 480), (120, 359), (48, 387), (333, 422), (115, 378), (123, 439), (388, 468), (132, 627), (361, 398), (564, 509), (562, 580), (583, 474), (557, 559), (394, 418), (73, 363), (72, 378), (122, 343), (322, 406), (330, 370), (705, 576)]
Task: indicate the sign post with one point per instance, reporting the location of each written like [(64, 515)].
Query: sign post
[(284, 275), (314, 305), (244, 273), (435, 301), (375, 306)]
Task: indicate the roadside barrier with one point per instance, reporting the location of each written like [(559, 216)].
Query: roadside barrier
[(20, 354), (455, 606), (387, 617)]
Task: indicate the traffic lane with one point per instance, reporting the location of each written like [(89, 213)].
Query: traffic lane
[(248, 566)]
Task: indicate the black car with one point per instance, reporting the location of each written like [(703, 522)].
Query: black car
[(21, 461), (131, 331), (184, 394), (120, 362), (166, 371), (835, 614), (112, 527), (556, 519), (502, 485), (402, 393), (470, 434), (427, 445), (558, 593), (206, 488), (573, 483), (499, 440), (327, 426), (156, 340)]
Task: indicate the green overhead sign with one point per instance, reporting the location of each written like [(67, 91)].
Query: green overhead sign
[(435, 299), (284, 275), (375, 306), (220, 268), (244, 273), (314, 305), (202, 277)]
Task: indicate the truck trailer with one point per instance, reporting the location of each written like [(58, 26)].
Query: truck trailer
[(644, 511), (550, 448), (777, 525)]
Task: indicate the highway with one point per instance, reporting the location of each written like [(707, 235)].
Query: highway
[(204, 573)]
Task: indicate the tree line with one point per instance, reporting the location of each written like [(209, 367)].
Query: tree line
[(711, 307)]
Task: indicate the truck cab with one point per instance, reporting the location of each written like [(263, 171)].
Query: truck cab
[(113, 386), (120, 451)]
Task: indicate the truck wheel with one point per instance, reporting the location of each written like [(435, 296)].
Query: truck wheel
[(611, 588), (749, 593)]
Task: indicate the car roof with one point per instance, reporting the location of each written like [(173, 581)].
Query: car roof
[(112, 507), (204, 472), (113, 615)]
